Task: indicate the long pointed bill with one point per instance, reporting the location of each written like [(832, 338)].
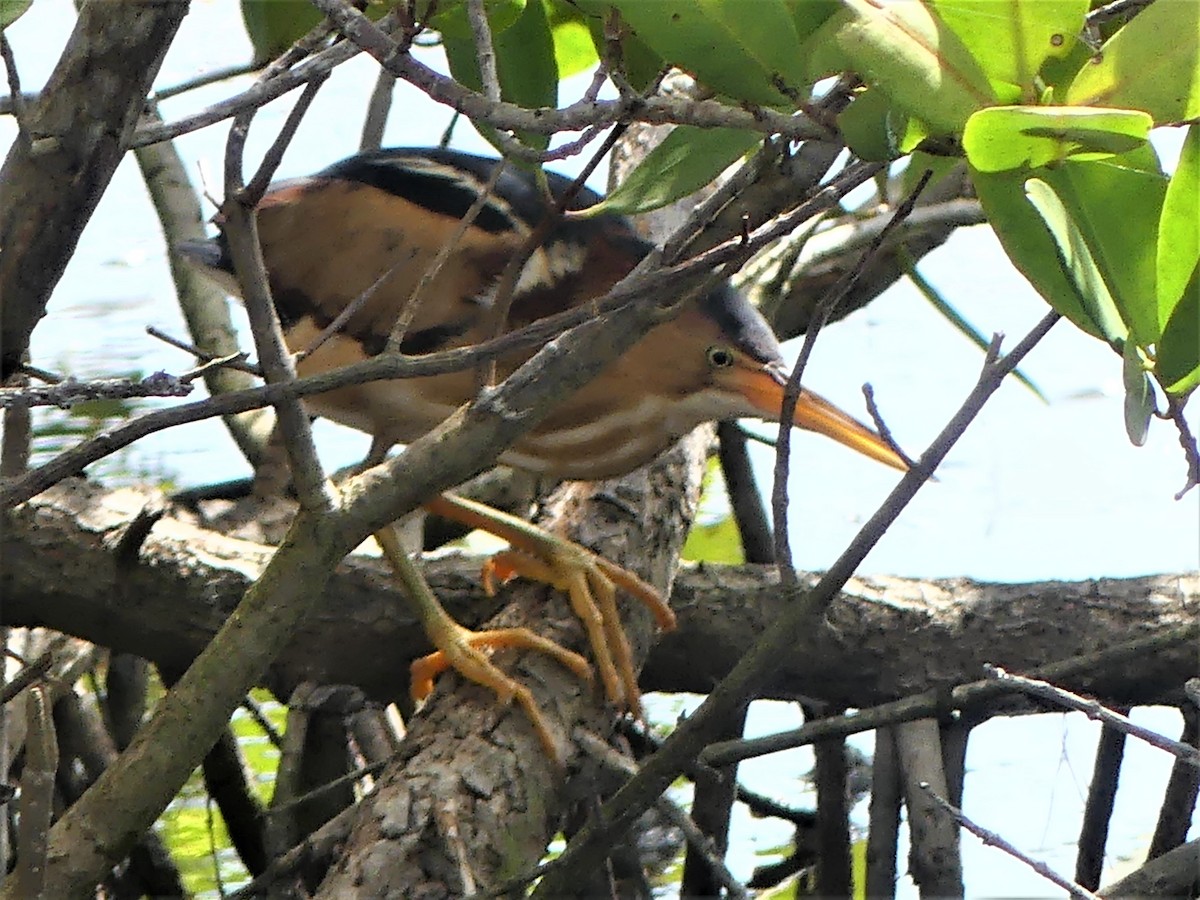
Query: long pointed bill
[(764, 389)]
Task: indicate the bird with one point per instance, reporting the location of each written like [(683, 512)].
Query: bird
[(344, 251)]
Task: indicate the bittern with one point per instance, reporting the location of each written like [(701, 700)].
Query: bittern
[(365, 230)]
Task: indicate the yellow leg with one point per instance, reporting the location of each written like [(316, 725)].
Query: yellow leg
[(590, 582), (459, 648)]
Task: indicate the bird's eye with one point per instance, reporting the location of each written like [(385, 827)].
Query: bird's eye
[(720, 357)]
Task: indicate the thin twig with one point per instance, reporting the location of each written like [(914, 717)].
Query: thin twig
[(645, 282), (696, 839), (320, 790), (16, 98), (203, 80), (1188, 442), (70, 392), (791, 395), (378, 108), (1093, 709), (413, 304), (485, 52), (993, 839), (885, 433), (591, 844), (274, 155), (230, 362), (241, 232), (33, 672), (348, 311), (936, 702)]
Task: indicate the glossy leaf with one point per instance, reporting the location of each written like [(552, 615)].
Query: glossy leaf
[(1116, 204), (1077, 262), (1010, 39), (810, 15), (866, 126), (641, 64), (450, 16), (1179, 228), (574, 51), (684, 162), (1139, 395), (920, 63), (1027, 242), (746, 51), (1152, 63), (1011, 137), (525, 64), (274, 25), (1177, 366)]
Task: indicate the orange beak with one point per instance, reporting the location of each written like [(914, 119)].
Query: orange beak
[(764, 387)]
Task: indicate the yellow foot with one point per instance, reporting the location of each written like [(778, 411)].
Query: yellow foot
[(590, 581), (461, 649)]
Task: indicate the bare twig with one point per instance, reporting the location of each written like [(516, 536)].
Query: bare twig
[(993, 839), (646, 282), (245, 251), (203, 80), (229, 362), (378, 108), (70, 392), (16, 98), (972, 696), (1098, 809), (1188, 442), (697, 840), (1094, 710), (791, 395), (37, 794), (591, 844), (413, 304)]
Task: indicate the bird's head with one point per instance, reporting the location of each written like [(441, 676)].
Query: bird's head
[(724, 343)]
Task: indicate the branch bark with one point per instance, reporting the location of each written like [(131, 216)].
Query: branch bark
[(78, 130), (885, 638)]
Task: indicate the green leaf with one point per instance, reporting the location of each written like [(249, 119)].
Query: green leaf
[(641, 64), (684, 162), (1151, 63), (574, 51), (1179, 228), (921, 64), (450, 16), (810, 15), (1077, 261), (1011, 137), (716, 543), (525, 65), (866, 125), (274, 25), (1027, 242), (1139, 395), (1177, 366), (748, 52), (11, 10), (1116, 203), (1012, 40)]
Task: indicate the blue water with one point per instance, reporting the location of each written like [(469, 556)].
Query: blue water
[(1033, 491)]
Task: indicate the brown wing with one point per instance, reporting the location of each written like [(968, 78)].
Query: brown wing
[(327, 241)]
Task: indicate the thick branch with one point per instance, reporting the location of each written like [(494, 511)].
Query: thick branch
[(887, 637), (79, 129)]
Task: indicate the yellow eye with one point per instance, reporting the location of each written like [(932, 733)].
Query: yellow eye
[(720, 357)]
